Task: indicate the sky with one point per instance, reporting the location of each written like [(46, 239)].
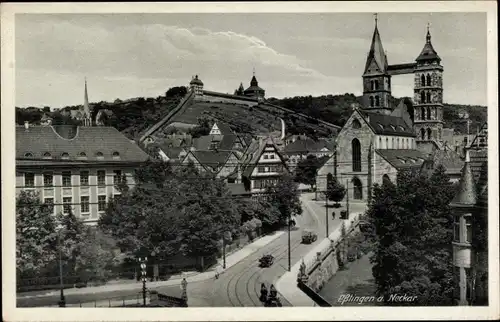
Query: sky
[(293, 54)]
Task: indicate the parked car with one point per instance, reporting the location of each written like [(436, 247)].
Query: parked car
[(266, 260), (309, 237)]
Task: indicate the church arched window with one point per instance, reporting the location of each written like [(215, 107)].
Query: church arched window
[(429, 134), (377, 101), (356, 155), (386, 143), (429, 80), (428, 97), (422, 113), (422, 97), (356, 124), (376, 84), (371, 101), (422, 134), (422, 80), (429, 113)]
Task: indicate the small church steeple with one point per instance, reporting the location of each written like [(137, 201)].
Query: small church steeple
[(86, 113)]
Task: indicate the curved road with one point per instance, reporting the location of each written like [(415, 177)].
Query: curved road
[(239, 286)]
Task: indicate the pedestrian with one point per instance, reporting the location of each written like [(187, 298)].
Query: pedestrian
[(218, 270), (333, 215), (263, 293), (272, 292)]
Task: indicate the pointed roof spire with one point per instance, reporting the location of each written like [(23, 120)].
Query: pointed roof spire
[(377, 52), (428, 52), (86, 109), (467, 193)]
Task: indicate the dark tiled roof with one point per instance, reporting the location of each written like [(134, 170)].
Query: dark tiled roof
[(225, 129), (387, 124), (449, 159), (228, 142), (428, 52), (90, 141), (401, 159), (302, 146), (202, 143), (196, 81), (467, 193), (212, 159), (377, 53)]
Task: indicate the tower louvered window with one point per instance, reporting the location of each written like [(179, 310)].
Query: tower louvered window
[(356, 155), (428, 80)]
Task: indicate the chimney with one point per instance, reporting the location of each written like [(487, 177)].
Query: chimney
[(26, 125)]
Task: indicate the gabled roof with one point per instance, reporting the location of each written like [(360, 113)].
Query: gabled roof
[(376, 53), (467, 191), (480, 141), (211, 160), (224, 128), (80, 143), (401, 111), (254, 152), (428, 52), (387, 124), (449, 159), (402, 159)]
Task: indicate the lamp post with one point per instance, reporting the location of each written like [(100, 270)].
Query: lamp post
[(144, 278), (289, 242), (62, 300), (326, 213)]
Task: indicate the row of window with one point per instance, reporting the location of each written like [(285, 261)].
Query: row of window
[(264, 183), (425, 97), (270, 168), (397, 143), (48, 178), (425, 113), (269, 156), (84, 204), (65, 155), (374, 101), (425, 81), (427, 134)]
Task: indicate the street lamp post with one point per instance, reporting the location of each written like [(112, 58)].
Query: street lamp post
[(326, 213), (144, 278), (62, 301), (289, 242)]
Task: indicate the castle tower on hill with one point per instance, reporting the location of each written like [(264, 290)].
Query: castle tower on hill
[(196, 85), (428, 88)]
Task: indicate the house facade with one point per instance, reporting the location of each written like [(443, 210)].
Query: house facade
[(75, 168), (263, 165)]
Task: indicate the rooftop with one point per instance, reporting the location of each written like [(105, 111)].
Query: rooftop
[(387, 124), (63, 144), (402, 159)]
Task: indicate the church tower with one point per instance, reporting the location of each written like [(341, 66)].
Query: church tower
[(86, 113), (428, 95), (376, 79)]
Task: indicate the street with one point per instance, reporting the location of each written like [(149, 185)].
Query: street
[(239, 285)]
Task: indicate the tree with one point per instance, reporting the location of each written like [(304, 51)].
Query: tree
[(413, 232), (203, 128), (284, 196), (334, 190), (35, 235), (306, 170), (176, 91)]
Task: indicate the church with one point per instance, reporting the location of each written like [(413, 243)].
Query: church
[(379, 138)]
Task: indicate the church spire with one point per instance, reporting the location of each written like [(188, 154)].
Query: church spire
[(86, 115), (377, 53), (428, 52)]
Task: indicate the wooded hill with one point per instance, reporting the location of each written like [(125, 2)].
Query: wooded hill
[(136, 115)]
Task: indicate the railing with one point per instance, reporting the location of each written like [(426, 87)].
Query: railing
[(134, 300)]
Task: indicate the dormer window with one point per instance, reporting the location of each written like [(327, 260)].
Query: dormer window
[(402, 160), (82, 155), (380, 125), (99, 155), (47, 155), (401, 128), (28, 155), (116, 155), (65, 156)]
